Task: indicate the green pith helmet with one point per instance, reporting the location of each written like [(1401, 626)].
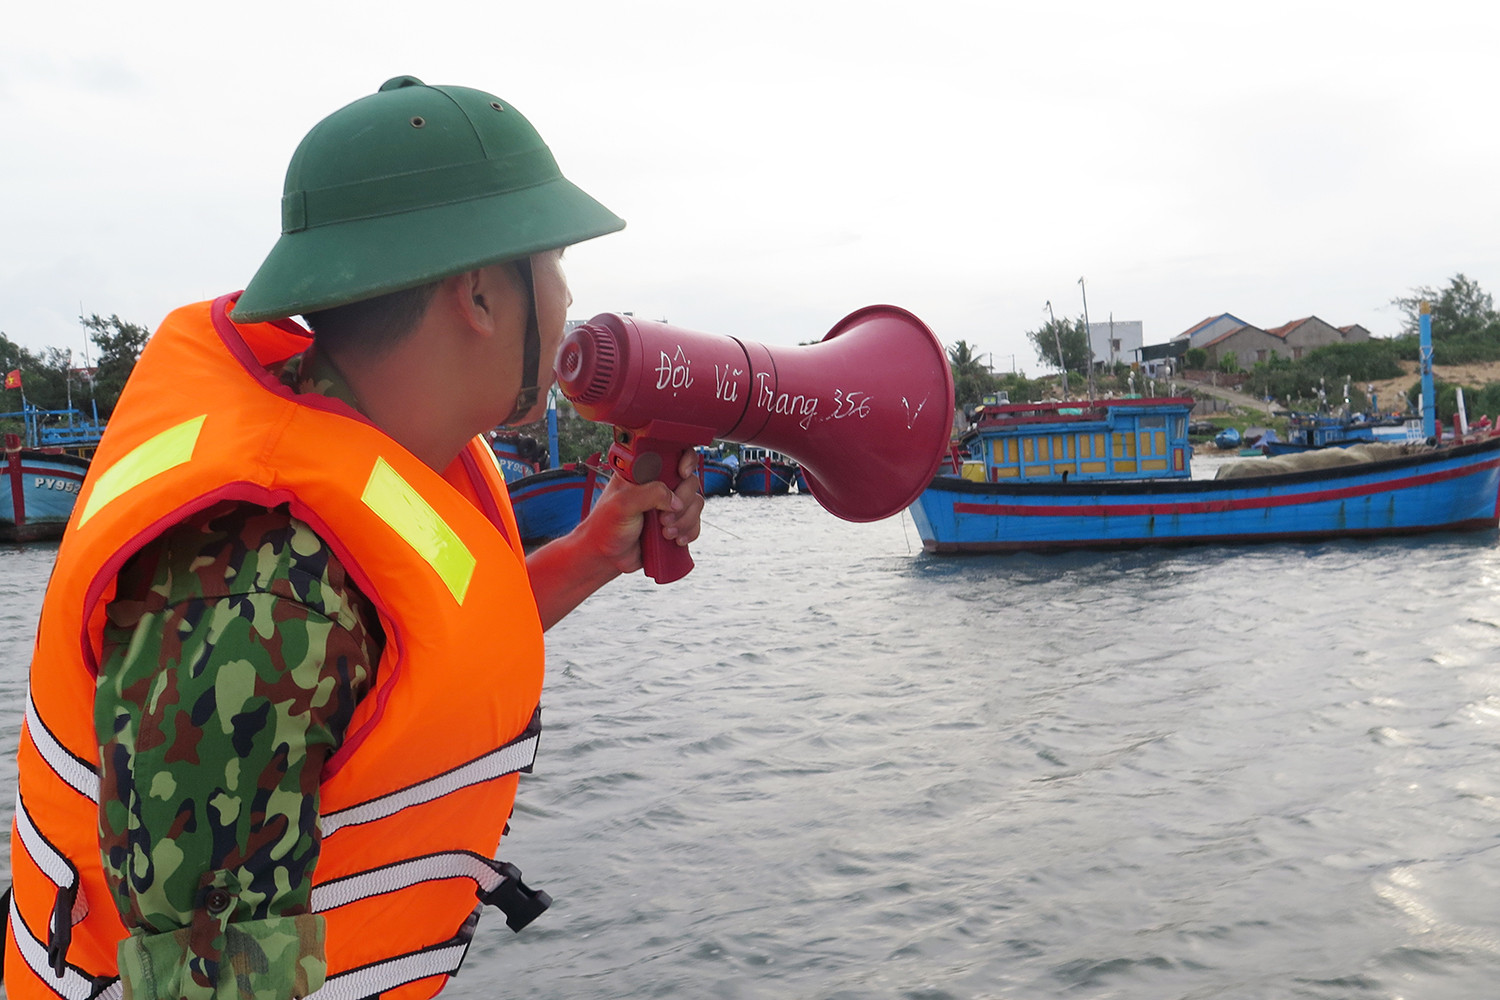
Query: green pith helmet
[(409, 185)]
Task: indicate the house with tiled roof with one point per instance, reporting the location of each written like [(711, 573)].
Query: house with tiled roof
[(1302, 335), (1209, 329), (1247, 343)]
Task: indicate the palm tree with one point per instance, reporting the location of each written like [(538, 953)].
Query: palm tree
[(971, 377)]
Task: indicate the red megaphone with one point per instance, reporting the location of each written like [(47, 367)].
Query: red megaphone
[(867, 412)]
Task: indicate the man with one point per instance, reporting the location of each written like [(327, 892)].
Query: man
[(294, 596)]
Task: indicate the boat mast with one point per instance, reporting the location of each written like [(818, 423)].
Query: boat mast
[(1429, 411)]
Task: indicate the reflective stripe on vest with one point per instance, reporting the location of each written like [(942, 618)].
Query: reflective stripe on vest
[(49, 859), (412, 517), (373, 980), (167, 450), (517, 755), (74, 770)]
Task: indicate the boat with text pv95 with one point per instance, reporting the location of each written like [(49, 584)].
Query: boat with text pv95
[(1118, 473)]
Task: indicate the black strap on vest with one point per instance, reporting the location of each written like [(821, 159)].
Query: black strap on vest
[(60, 934), (4, 930), (531, 353)]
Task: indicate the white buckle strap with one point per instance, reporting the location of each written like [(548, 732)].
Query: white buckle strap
[(76, 771), (74, 983), (403, 875), (372, 980), (517, 755)]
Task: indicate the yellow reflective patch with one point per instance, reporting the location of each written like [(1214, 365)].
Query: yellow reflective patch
[(167, 450), (396, 503)]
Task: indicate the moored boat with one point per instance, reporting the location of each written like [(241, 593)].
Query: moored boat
[(763, 472), (715, 473), (551, 503), (517, 454), (1117, 473), (38, 488)]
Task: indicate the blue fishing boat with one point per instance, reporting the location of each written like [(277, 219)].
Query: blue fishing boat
[(1117, 473), (549, 498), (44, 470), (1227, 439), (551, 503), (764, 473), (716, 473), (517, 454), (1308, 431), (38, 488)]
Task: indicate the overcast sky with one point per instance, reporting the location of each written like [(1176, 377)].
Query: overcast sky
[(781, 164)]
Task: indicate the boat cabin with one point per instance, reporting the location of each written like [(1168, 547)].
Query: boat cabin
[(755, 453), (1319, 430), (1080, 440)]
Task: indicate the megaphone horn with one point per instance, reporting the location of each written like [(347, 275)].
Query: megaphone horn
[(867, 412)]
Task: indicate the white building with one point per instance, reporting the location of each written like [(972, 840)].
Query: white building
[(1115, 341)]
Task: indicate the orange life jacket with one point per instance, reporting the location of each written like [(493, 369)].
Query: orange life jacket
[(414, 802)]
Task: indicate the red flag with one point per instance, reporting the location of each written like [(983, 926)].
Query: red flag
[(13, 379)]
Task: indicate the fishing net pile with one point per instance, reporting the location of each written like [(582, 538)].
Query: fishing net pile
[(1322, 458)]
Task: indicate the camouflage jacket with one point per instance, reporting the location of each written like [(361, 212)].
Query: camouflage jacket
[(235, 652)]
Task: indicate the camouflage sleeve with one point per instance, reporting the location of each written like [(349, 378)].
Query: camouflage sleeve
[(235, 651)]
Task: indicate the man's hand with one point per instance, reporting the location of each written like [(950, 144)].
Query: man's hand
[(608, 542), (615, 524)]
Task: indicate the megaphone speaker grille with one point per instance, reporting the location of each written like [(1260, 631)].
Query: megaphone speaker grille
[(590, 351)]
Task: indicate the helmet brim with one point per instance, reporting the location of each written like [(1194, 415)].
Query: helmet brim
[(328, 266)]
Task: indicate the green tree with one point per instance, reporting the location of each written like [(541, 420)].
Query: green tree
[(119, 345), (1462, 309), (1072, 336), (971, 377), (1465, 325)]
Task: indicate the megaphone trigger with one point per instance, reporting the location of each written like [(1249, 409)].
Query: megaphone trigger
[(867, 412)]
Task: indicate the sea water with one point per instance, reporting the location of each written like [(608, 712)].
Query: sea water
[(827, 765)]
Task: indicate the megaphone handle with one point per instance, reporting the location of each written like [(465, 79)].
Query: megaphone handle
[(643, 458), (665, 561)]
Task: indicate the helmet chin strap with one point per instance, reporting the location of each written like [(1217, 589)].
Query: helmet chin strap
[(531, 353)]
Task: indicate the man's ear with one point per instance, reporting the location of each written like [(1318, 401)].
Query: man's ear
[(471, 300)]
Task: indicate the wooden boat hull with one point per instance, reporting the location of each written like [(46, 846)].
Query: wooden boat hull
[(37, 492), (1453, 489), (551, 503), (716, 477), (764, 478)]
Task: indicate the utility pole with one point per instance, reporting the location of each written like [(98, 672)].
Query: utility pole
[(1088, 336), (1062, 362)]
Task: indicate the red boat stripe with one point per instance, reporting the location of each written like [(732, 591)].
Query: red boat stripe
[(1215, 506)]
